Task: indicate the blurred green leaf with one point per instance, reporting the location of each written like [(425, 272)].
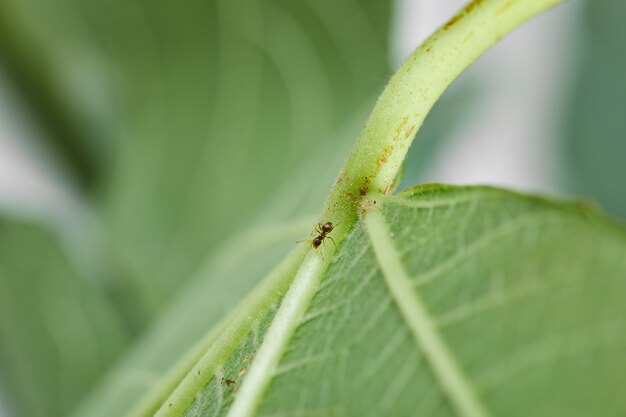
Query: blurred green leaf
[(58, 331), (207, 105), (62, 80), (515, 305), (595, 125), (224, 98)]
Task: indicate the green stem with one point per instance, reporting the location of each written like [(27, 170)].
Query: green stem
[(381, 148)]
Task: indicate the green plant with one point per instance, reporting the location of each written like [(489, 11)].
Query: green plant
[(439, 300)]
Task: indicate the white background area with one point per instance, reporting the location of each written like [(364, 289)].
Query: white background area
[(510, 138)]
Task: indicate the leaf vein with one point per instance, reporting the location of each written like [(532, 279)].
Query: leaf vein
[(447, 371)]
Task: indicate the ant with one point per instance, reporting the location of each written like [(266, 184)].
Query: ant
[(323, 230)]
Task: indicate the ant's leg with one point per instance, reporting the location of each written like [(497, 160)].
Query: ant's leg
[(333, 240)]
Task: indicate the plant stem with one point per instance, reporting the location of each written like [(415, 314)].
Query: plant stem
[(381, 148)]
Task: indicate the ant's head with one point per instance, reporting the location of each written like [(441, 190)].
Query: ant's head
[(317, 242)]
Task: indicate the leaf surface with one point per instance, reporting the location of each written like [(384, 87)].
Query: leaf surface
[(486, 302), (58, 330)]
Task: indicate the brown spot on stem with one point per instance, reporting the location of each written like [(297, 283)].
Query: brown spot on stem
[(410, 132), (352, 197), (452, 21), (504, 7), (472, 5), (398, 133), (462, 13), (384, 157)]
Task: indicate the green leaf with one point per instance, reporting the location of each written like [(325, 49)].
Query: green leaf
[(245, 88), (62, 85), (445, 300), (58, 330)]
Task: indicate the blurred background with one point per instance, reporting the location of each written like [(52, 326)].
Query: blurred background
[(146, 148)]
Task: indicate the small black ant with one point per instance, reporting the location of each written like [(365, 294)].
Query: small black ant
[(322, 230)]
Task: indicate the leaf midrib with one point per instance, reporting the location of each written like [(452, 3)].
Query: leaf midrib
[(454, 383), (292, 309)]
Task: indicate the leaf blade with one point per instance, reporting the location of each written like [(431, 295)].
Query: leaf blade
[(400, 382)]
